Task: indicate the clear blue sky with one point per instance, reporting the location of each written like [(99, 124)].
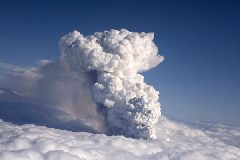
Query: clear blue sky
[(200, 40)]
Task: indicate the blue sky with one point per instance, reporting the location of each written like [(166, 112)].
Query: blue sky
[(200, 76)]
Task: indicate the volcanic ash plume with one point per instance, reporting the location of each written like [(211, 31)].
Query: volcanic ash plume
[(116, 57)]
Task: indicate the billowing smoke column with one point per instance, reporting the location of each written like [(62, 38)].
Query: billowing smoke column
[(117, 57)]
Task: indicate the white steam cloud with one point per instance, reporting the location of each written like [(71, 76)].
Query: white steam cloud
[(115, 58)]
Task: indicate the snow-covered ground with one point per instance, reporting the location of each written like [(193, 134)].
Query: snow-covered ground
[(176, 141)]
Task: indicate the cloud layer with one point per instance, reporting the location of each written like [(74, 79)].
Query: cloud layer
[(175, 141)]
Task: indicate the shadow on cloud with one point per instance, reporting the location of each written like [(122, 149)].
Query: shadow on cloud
[(29, 113)]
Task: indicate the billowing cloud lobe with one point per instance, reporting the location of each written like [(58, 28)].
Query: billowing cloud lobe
[(116, 58)]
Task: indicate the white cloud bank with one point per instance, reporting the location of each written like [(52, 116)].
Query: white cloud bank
[(175, 141)]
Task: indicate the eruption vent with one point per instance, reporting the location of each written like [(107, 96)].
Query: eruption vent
[(117, 57)]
